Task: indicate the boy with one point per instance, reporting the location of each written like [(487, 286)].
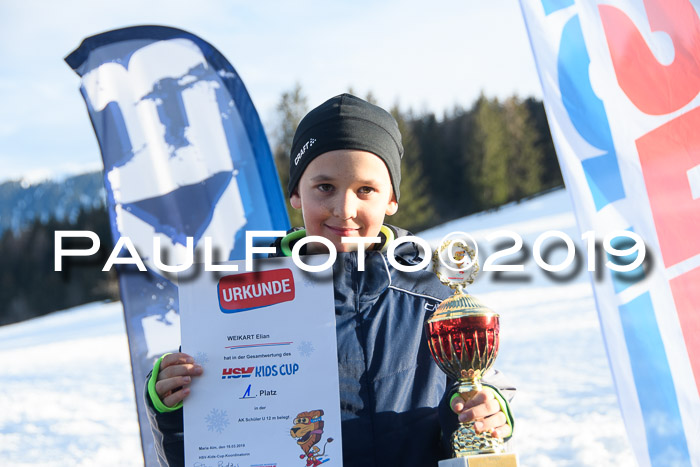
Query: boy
[(344, 176)]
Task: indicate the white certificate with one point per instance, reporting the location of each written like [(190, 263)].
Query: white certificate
[(269, 392)]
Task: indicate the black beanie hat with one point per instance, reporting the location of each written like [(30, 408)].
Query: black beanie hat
[(346, 122)]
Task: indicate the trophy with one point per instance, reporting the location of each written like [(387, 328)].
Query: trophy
[(463, 339)]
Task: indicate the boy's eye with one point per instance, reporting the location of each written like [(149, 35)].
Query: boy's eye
[(325, 187), (365, 190)]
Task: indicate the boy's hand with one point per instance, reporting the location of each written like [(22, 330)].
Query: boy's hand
[(483, 408), (174, 377)]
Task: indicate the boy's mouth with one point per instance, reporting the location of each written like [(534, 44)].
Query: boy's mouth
[(342, 231)]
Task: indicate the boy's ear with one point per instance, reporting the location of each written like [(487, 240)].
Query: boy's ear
[(393, 206), (295, 199)]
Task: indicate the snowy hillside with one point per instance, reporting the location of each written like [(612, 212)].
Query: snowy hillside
[(67, 397)]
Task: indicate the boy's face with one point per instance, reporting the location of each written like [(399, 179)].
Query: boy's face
[(344, 193)]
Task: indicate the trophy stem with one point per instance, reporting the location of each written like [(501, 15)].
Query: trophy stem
[(468, 388)]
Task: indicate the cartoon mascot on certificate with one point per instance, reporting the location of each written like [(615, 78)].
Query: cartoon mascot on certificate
[(308, 430)]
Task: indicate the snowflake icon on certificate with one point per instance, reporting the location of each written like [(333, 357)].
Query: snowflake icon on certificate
[(305, 348), (217, 420)]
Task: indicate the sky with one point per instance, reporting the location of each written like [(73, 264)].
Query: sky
[(426, 56)]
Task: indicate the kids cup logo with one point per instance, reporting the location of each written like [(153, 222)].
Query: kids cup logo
[(241, 292)]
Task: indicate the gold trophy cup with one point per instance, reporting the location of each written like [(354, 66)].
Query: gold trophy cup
[(463, 339)]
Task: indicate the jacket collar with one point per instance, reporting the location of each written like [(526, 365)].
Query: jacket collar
[(406, 253)]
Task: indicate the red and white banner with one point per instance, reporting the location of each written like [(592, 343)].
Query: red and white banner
[(621, 83)]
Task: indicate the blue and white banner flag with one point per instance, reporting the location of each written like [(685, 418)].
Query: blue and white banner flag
[(185, 155), (621, 83)]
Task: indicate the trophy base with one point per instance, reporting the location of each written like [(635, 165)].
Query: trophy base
[(482, 460)]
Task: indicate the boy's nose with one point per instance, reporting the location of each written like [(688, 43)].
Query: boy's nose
[(346, 206)]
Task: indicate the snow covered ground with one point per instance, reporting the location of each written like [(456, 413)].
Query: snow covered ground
[(67, 398)]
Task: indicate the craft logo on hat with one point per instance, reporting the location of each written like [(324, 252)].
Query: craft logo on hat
[(303, 149)]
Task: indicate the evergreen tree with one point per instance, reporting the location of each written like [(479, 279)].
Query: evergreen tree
[(461, 171), (437, 163), (551, 172), (416, 209), (371, 98), (290, 110), (524, 157), (470, 155), (490, 137)]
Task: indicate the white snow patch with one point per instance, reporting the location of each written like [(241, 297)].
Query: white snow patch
[(67, 392)]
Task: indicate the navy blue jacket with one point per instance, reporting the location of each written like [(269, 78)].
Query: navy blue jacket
[(393, 398)]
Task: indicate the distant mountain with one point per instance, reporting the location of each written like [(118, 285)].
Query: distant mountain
[(21, 202)]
